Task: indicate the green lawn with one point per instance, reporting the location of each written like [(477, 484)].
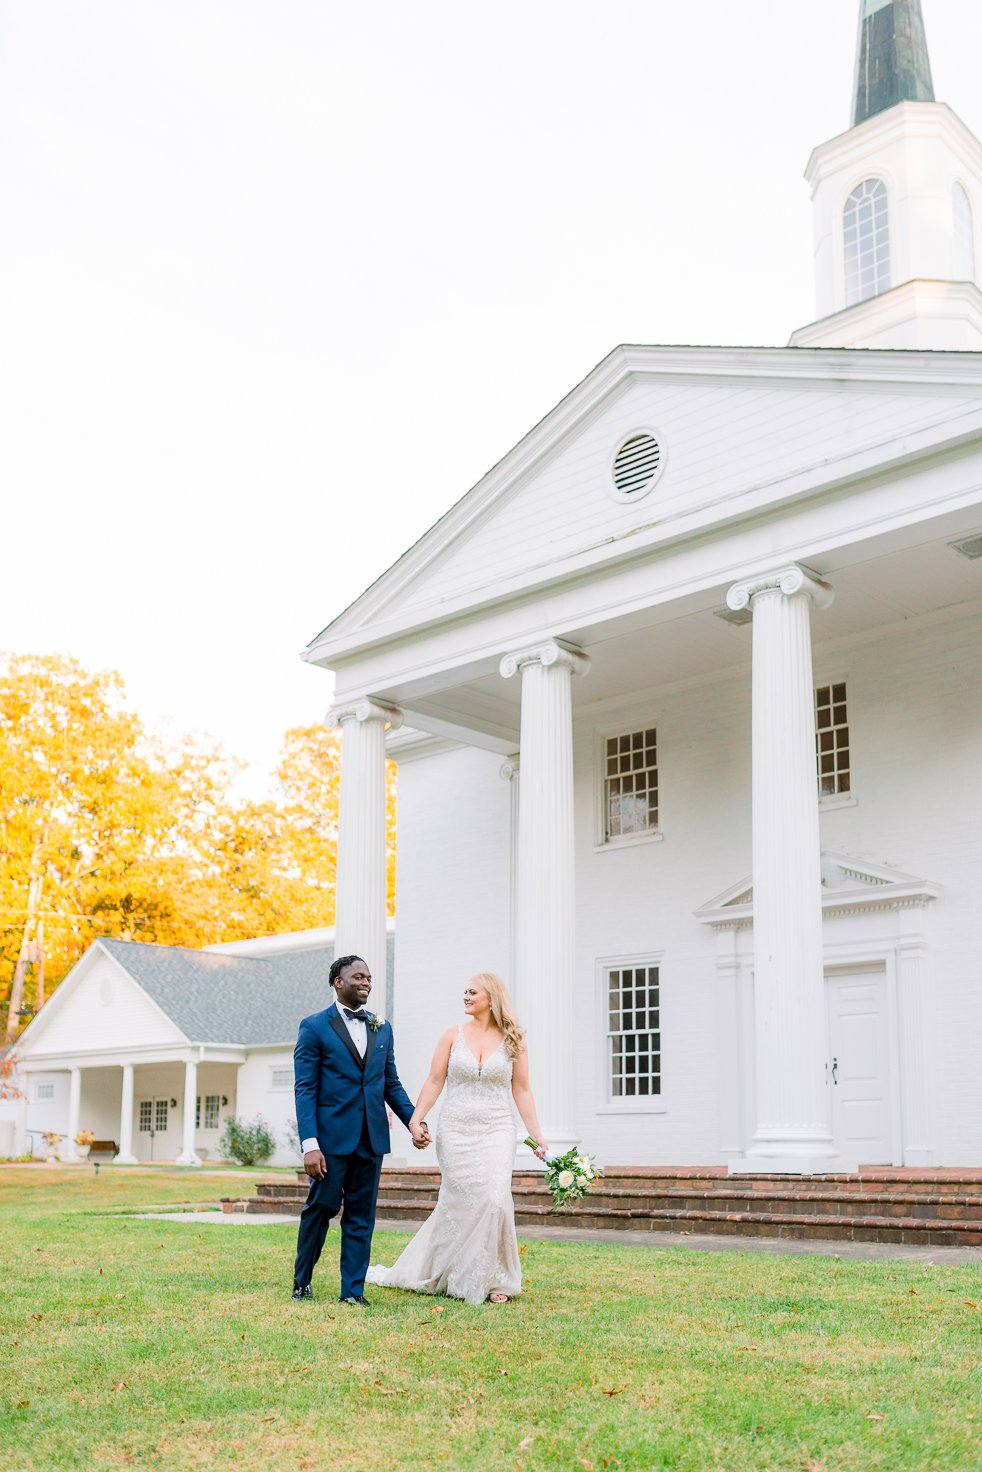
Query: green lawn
[(129, 1343)]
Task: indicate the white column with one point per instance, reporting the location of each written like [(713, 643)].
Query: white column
[(361, 883), (509, 772), (793, 1132), (126, 1156), (74, 1110), (187, 1155), (544, 907)]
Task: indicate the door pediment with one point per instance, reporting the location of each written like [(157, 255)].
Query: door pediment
[(849, 886)]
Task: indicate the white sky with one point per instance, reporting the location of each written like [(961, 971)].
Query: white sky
[(280, 281)]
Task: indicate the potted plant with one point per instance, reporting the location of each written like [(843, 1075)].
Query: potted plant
[(52, 1140), (84, 1141)]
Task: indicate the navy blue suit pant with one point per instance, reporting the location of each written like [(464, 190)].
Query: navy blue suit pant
[(352, 1182)]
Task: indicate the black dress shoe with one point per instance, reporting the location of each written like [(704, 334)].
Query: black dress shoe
[(305, 1292), (361, 1302)]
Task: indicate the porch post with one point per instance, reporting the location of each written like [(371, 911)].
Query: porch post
[(793, 1128), (187, 1155), (74, 1110), (544, 900), (361, 884), (126, 1156)]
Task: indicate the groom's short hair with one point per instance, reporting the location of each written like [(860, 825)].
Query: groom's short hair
[(338, 965)]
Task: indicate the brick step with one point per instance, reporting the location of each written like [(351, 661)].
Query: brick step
[(968, 1183), (929, 1233)]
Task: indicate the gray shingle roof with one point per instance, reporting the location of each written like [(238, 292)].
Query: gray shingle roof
[(234, 999)]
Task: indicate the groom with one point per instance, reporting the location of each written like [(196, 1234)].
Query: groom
[(345, 1074)]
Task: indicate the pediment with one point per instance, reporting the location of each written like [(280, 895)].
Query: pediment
[(98, 1007), (740, 431), (848, 884)]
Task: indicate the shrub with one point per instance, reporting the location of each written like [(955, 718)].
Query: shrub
[(291, 1136), (249, 1144)]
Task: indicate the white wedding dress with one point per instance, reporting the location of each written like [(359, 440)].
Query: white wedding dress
[(467, 1247)]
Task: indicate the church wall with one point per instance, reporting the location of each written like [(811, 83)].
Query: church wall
[(916, 739), (916, 734), (453, 902), (255, 1094)]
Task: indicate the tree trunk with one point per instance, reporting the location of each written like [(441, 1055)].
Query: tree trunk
[(34, 888)]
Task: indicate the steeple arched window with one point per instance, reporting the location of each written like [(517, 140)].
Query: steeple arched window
[(866, 239), (963, 256)]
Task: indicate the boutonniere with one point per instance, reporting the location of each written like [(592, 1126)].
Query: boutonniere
[(375, 1021)]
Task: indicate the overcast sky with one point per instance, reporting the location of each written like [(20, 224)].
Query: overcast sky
[(280, 281)]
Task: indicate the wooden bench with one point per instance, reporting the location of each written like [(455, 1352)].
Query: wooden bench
[(104, 1147)]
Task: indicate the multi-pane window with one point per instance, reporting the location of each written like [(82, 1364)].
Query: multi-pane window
[(282, 1077), (633, 1032), (212, 1102), (832, 740), (630, 784), (45, 1091), (146, 1114), (866, 241), (197, 1113), (964, 235), (160, 1115)]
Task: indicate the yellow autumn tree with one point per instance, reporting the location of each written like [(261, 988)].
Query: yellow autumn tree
[(104, 831)]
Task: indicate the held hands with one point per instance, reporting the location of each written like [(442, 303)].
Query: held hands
[(315, 1165), (541, 1151), (420, 1132)]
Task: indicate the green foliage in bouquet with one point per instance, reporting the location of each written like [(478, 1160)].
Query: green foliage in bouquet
[(568, 1176), (249, 1144)]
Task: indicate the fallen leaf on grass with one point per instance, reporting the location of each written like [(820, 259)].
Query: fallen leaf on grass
[(525, 1443), (586, 1464), (912, 1292), (39, 1317), (438, 1309), (523, 1249), (22, 1404), (267, 1419), (875, 1416), (121, 1385), (614, 1390), (812, 1466), (299, 1370), (968, 1303), (748, 1349)]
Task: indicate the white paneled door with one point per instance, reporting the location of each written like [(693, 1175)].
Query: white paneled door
[(158, 1133), (859, 1066)]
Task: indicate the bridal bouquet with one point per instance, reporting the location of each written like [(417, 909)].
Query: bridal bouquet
[(568, 1176)]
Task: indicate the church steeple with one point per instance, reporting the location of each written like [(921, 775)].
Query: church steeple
[(892, 64), (898, 203)]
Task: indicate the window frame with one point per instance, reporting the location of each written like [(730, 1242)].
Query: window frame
[(959, 240), (603, 843), (49, 1091), (838, 799), (638, 1103), (880, 268), (274, 1069)]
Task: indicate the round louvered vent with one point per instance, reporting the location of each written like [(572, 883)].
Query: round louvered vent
[(636, 466)]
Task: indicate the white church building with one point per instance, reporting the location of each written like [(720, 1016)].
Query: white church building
[(686, 696)]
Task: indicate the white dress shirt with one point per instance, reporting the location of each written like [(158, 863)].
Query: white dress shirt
[(359, 1036)]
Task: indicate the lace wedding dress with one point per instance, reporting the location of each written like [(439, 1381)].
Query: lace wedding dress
[(467, 1247)]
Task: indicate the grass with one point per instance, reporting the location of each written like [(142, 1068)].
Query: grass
[(133, 1343)]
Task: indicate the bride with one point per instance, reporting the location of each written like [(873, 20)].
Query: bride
[(467, 1247)]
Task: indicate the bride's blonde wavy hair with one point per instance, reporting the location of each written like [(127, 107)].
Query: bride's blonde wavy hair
[(502, 1011)]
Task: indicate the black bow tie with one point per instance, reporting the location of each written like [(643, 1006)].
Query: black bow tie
[(360, 1016)]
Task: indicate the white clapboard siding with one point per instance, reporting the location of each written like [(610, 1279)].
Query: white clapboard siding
[(716, 441)]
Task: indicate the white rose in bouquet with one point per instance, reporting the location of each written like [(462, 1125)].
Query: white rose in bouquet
[(565, 1178)]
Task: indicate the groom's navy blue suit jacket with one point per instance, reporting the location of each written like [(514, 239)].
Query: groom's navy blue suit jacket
[(336, 1090)]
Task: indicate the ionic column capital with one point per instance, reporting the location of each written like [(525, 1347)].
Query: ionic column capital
[(550, 652), (788, 580), (509, 770), (364, 710)]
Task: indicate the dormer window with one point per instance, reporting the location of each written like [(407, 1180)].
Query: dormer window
[(866, 240), (963, 262)]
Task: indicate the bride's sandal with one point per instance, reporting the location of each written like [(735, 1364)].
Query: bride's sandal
[(498, 1297)]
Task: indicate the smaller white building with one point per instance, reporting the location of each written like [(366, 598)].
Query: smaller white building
[(154, 1047)]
